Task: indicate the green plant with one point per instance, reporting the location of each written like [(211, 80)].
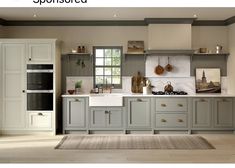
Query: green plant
[(78, 84)]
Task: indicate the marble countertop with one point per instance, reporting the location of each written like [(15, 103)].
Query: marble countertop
[(150, 95)]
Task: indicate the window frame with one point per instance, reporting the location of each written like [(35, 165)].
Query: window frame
[(116, 86)]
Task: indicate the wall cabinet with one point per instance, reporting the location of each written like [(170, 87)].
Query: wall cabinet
[(106, 118), (202, 113), (75, 113), (39, 52), (139, 113), (223, 112)]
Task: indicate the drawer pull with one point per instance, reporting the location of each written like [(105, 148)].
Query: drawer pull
[(180, 120), (202, 100), (163, 120), (40, 114), (139, 100), (77, 100), (180, 105), (224, 100), (163, 105), (106, 112)]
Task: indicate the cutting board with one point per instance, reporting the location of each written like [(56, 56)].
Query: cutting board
[(137, 83)]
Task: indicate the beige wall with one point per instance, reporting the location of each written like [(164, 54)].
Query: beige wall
[(169, 36), (209, 37), (72, 36), (231, 59)]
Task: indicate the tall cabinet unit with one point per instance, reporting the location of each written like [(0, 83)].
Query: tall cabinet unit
[(15, 55)]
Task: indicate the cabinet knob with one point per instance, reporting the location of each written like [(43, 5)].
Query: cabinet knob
[(40, 114), (30, 59), (180, 120), (163, 120), (163, 105), (106, 112), (139, 100), (180, 105), (23, 91)]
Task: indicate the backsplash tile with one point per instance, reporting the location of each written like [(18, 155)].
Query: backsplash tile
[(186, 84)]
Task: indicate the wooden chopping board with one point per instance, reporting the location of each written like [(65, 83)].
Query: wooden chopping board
[(137, 83)]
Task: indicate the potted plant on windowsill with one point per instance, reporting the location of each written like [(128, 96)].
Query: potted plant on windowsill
[(78, 86)]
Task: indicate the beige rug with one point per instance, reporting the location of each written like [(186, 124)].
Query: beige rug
[(95, 142)]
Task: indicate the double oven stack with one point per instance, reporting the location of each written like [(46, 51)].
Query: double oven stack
[(39, 87)]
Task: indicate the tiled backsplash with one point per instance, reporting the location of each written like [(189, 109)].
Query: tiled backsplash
[(185, 84), (181, 66)]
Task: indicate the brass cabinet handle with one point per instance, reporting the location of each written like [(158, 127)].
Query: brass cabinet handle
[(224, 100), (40, 114), (30, 59), (180, 105), (163, 105), (163, 120), (106, 112), (202, 100), (139, 100), (77, 100), (180, 120)]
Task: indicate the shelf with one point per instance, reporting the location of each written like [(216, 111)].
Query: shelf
[(210, 54), (78, 54), (170, 52)]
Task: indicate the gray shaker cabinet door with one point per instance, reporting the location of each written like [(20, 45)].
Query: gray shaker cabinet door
[(139, 113), (98, 117), (202, 113), (115, 118), (223, 111), (76, 111)]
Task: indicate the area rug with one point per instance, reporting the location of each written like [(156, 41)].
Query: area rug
[(94, 142)]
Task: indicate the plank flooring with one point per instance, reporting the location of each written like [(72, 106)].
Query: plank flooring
[(40, 149)]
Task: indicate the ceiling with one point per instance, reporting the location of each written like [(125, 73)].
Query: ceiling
[(109, 13)]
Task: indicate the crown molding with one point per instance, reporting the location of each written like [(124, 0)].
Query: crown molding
[(169, 20), (144, 22)]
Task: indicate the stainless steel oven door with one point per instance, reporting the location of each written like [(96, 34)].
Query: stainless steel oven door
[(39, 100)]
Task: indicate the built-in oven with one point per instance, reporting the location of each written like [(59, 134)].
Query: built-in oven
[(39, 87)]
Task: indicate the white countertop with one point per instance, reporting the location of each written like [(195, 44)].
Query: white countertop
[(150, 95)]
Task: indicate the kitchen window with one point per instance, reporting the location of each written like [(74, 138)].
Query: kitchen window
[(107, 66)]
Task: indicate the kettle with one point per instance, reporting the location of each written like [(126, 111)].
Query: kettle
[(168, 87)]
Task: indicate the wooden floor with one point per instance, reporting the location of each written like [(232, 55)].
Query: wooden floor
[(38, 149)]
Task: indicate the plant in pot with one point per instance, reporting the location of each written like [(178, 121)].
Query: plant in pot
[(78, 86)]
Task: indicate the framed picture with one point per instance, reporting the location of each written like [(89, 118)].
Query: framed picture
[(135, 47), (208, 80)]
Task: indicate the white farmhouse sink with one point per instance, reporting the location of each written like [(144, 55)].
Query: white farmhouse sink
[(109, 99)]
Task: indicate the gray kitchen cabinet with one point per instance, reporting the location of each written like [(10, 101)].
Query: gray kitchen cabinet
[(106, 118), (171, 113), (74, 113), (202, 113), (223, 112), (139, 113)]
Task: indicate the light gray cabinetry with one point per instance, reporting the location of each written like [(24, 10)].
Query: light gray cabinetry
[(139, 113), (106, 118), (223, 112), (171, 113), (75, 113), (202, 113)]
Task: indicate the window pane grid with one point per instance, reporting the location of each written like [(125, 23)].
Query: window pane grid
[(108, 66)]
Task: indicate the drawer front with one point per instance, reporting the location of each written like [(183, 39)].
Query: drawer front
[(40, 120), (171, 120), (171, 104)]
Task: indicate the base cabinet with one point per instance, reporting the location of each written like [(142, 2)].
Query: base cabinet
[(75, 113), (202, 113), (223, 112), (42, 121), (105, 118), (139, 113)]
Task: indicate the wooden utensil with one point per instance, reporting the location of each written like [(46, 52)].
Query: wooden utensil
[(168, 67), (159, 69)]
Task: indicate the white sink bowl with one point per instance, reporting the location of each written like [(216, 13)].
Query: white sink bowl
[(109, 99)]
